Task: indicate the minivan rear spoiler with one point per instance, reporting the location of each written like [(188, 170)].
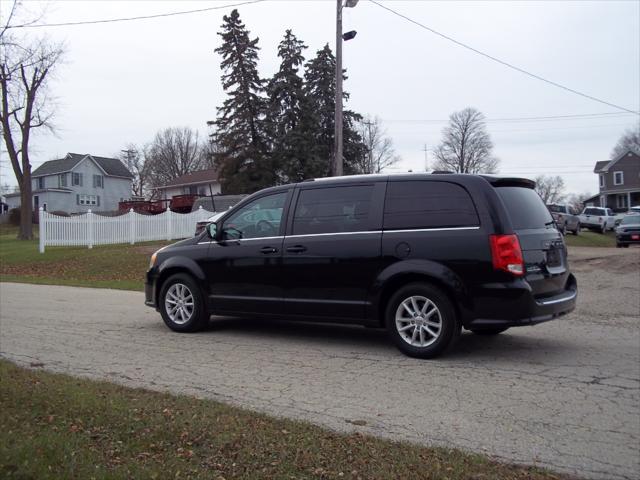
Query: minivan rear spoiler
[(509, 181)]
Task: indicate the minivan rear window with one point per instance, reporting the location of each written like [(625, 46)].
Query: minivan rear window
[(525, 208), (428, 204)]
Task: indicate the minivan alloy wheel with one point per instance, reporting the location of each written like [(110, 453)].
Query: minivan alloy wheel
[(418, 321), (179, 303)]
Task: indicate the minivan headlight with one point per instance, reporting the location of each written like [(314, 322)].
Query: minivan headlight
[(153, 259)]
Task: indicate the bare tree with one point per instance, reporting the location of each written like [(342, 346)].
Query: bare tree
[(135, 160), (172, 153), (18, 17), (25, 70), (550, 188), (380, 153), (576, 200), (630, 140), (466, 146)]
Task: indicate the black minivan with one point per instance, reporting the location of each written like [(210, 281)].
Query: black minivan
[(421, 255)]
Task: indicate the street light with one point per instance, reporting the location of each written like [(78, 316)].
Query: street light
[(338, 159)]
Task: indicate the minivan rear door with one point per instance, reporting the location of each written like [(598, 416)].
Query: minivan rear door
[(543, 247)]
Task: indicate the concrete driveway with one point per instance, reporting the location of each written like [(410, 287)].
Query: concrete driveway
[(564, 394)]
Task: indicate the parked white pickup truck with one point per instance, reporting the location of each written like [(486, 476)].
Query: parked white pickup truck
[(597, 218)]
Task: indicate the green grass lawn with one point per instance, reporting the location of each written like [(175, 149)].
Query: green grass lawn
[(106, 266), (591, 239), (56, 426)]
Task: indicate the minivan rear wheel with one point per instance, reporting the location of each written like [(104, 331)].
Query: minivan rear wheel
[(421, 320), (182, 304)]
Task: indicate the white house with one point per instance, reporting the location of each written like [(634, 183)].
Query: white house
[(202, 182), (77, 183)]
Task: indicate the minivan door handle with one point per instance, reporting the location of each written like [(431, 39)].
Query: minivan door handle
[(267, 250), (297, 249)]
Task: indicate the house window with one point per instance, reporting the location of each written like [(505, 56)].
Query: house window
[(88, 199), (41, 183), (77, 179), (601, 181), (62, 180), (98, 181), (618, 178)]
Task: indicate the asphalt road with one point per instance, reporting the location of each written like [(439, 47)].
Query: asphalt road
[(564, 394)]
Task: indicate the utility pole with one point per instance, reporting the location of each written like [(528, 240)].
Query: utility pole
[(130, 154), (370, 166), (426, 162), (337, 167), (337, 149)]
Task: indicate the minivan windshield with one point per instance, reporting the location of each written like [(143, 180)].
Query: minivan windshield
[(525, 207)]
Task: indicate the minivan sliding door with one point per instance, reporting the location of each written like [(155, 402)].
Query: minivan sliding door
[(331, 252)]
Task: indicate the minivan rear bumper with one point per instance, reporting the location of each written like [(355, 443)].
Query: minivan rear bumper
[(519, 308)]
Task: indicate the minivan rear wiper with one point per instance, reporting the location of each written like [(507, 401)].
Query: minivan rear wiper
[(548, 224)]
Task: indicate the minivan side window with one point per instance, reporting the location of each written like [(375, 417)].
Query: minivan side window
[(333, 210), (258, 219), (428, 204)]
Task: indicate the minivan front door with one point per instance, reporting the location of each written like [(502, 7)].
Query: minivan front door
[(244, 266), (332, 254)]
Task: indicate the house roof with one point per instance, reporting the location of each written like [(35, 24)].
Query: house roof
[(605, 165), (193, 178), (111, 166), (600, 165)]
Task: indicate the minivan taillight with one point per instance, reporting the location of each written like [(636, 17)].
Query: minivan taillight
[(507, 254)]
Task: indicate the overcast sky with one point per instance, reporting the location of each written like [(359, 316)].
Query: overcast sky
[(124, 81)]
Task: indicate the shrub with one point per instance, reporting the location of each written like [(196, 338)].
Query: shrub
[(14, 216), (60, 213)]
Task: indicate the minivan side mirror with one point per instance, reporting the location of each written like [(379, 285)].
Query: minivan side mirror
[(212, 230)]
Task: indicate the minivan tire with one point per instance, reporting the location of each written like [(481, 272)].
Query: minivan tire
[(182, 288), (435, 314)]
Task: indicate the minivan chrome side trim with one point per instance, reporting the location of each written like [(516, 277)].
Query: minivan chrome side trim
[(242, 240), (445, 229), (362, 232)]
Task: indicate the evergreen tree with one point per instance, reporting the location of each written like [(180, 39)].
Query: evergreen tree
[(320, 88), (240, 132), (290, 125)]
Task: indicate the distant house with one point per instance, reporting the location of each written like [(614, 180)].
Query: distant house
[(77, 183), (619, 181), (202, 182)]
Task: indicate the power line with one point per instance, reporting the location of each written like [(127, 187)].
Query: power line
[(548, 118), (142, 17), (502, 62)]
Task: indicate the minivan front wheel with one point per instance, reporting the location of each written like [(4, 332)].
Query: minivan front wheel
[(181, 304), (421, 320)]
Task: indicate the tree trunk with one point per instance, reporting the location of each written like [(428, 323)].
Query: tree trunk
[(26, 209)]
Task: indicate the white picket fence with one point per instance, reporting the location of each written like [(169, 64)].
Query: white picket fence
[(92, 229)]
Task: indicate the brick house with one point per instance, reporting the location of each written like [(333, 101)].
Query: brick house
[(619, 182)]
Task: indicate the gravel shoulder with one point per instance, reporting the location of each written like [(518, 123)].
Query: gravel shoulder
[(564, 394)]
